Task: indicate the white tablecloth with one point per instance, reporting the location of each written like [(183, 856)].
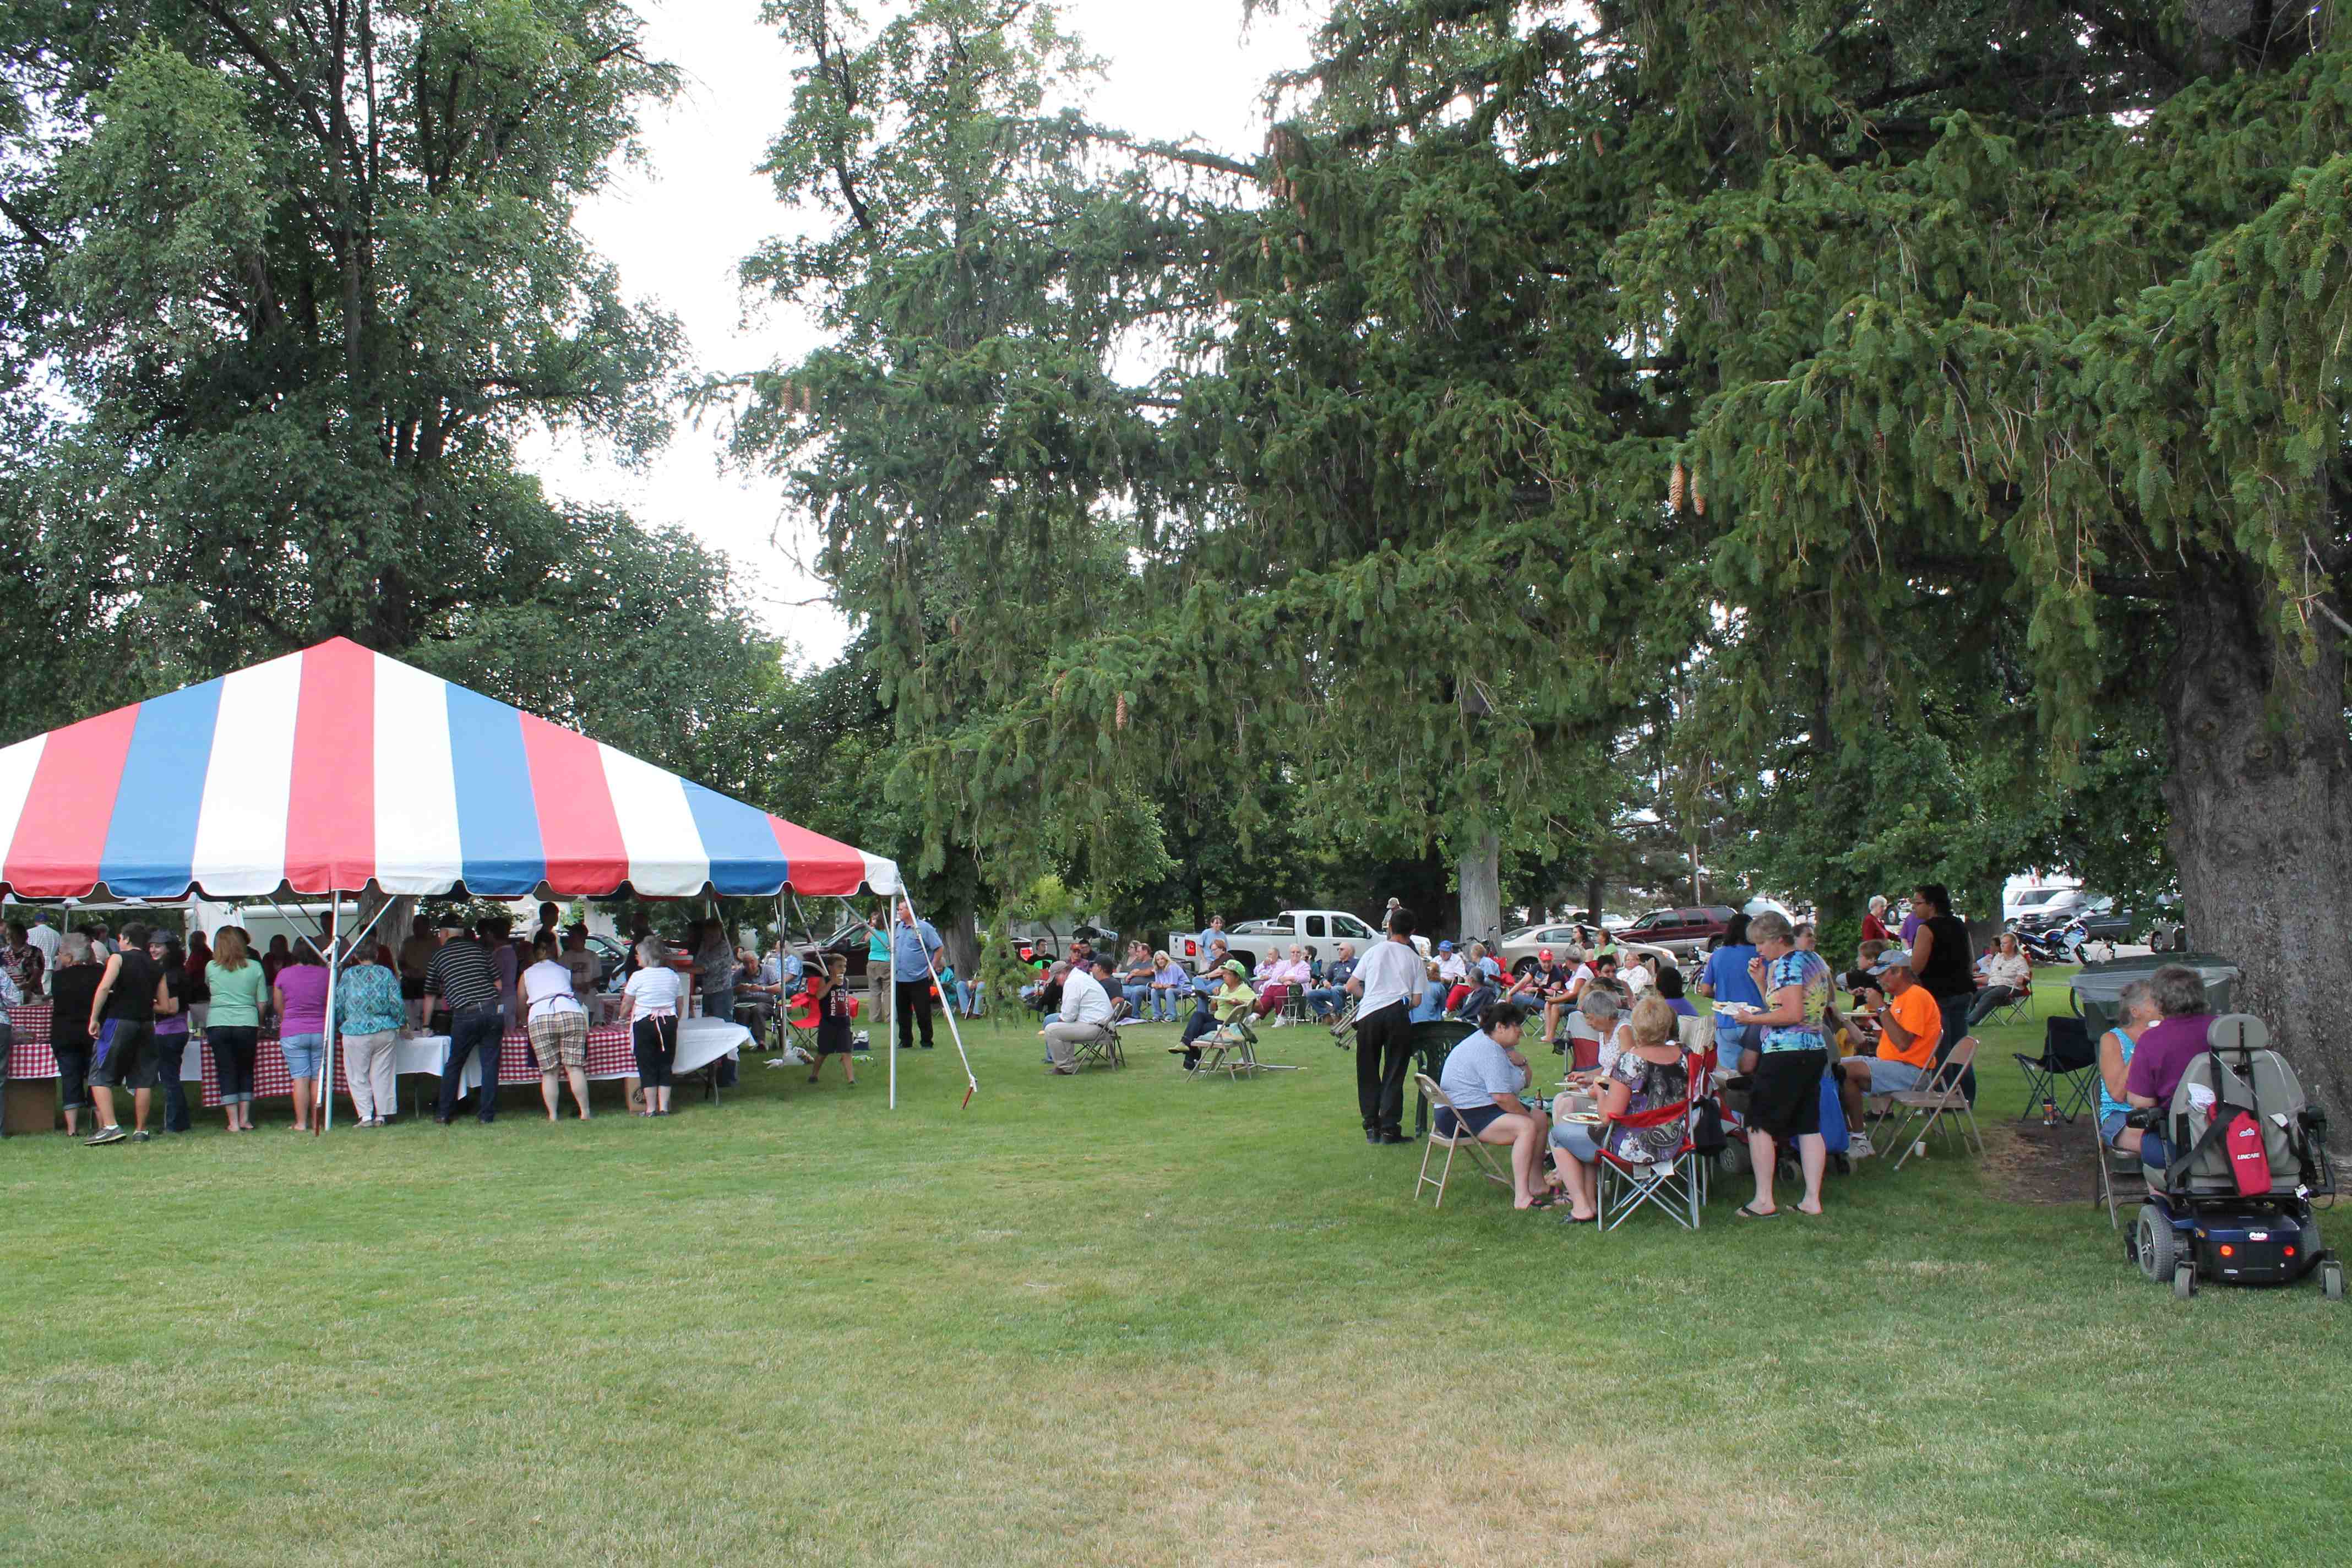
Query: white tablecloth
[(700, 1042)]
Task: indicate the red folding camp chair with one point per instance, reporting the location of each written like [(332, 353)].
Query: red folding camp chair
[(1676, 1185)]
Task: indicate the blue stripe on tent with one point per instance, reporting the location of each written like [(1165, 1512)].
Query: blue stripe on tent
[(498, 817), (744, 859), (150, 845)]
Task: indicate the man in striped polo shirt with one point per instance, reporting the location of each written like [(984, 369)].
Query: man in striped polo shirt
[(463, 978)]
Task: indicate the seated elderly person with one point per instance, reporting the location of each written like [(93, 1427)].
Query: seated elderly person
[(1433, 990), (1592, 1025), (2008, 974), (1084, 1013), (2135, 1010), (1326, 1000), (1909, 1024), (2165, 1048), (1483, 1075), (1279, 977), (1653, 1070)]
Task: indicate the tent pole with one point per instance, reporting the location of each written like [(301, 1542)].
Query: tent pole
[(889, 1041), (325, 1108), (946, 1003)]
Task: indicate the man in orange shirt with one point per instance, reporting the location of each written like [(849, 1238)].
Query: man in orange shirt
[(1909, 1023)]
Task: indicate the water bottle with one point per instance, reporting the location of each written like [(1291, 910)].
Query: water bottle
[(2049, 1113)]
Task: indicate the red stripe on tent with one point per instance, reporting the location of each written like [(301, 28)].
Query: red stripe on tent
[(331, 808), (577, 825), (62, 833), (815, 864)]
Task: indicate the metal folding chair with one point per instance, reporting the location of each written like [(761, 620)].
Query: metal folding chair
[(1941, 1100), (2122, 1179), (1461, 1138), (2063, 1073), (1232, 1049), (1101, 1049)]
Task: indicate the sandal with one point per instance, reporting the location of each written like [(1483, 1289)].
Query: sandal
[(1544, 1201), (1744, 1212)]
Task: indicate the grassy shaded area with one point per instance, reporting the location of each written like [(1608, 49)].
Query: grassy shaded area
[(1121, 1317)]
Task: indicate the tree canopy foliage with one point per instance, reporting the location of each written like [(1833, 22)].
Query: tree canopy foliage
[(1948, 398)]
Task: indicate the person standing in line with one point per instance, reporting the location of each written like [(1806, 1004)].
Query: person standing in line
[(914, 951), (73, 982), (496, 934), (200, 990), (587, 973), (1387, 983), (26, 964), (415, 954), (122, 1022), (233, 1028), (715, 963), (649, 1010), (46, 937), (171, 1029), (463, 978), (559, 1026), (276, 956), (369, 1013), (878, 985), (300, 994)]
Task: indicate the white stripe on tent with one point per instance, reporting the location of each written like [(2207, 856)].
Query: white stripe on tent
[(881, 874), (240, 849), (417, 846), (667, 857), (17, 766)]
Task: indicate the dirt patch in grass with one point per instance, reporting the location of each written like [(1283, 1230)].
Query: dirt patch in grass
[(2031, 1163)]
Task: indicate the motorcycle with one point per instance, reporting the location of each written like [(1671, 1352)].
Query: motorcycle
[(2045, 946)]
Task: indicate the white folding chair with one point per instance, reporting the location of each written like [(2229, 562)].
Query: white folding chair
[(1461, 1138)]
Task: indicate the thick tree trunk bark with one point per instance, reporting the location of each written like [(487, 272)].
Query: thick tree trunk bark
[(1593, 887), (2261, 794), (1482, 888), (961, 939)]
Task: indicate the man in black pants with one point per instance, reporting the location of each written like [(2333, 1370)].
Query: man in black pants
[(914, 958), (462, 978), (1387, 980)]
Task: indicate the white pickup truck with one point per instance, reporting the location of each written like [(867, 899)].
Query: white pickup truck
[(1252, 940)]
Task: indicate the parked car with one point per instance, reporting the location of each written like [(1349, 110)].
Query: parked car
[(1686, 931), (1573, 940), (1252, 940), (2042, 904)]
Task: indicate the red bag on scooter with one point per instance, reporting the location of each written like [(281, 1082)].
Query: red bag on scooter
[(2250, 1164)]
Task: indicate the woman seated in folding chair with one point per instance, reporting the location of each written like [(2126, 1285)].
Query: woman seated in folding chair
[(1483, 1075), (2137, 1010), (1230, 1000), (1652, 1070)]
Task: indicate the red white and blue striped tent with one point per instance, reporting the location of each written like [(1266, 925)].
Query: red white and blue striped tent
[(333, 768)]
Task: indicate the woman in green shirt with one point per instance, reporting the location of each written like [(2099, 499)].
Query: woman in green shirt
[(234, 1030)]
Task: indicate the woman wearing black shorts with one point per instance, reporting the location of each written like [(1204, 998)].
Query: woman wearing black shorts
[(1784, 1094)]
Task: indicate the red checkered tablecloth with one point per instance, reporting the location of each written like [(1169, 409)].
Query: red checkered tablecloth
[(609, 1057)]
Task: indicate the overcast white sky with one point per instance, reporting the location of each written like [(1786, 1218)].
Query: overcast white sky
[(677, 230)]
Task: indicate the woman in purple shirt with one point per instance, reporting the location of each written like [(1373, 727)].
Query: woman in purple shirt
[(300, 992)]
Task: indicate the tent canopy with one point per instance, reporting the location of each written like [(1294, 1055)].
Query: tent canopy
[(335, 767)]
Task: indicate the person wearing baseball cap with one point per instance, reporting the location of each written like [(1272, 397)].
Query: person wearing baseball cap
[(1909, 1023), (1231, 999)]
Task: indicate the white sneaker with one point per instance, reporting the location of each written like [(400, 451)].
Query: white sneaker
[(1857, 1146), (1276, 1022)]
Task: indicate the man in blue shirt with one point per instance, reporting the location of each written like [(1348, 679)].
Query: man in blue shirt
[(914, 958)]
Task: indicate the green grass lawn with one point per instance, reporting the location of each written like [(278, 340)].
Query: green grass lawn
[(1116, 1319)]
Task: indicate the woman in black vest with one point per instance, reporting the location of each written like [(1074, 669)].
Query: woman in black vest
[(1941, 959)]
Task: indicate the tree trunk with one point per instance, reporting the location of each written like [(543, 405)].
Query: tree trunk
[(1482, 888), (1594, 885), (961, 939), (2260, 796)]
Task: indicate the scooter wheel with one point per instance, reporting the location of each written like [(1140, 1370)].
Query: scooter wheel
[(2184, 1280), (2331, 1281), (2153, 1245)]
